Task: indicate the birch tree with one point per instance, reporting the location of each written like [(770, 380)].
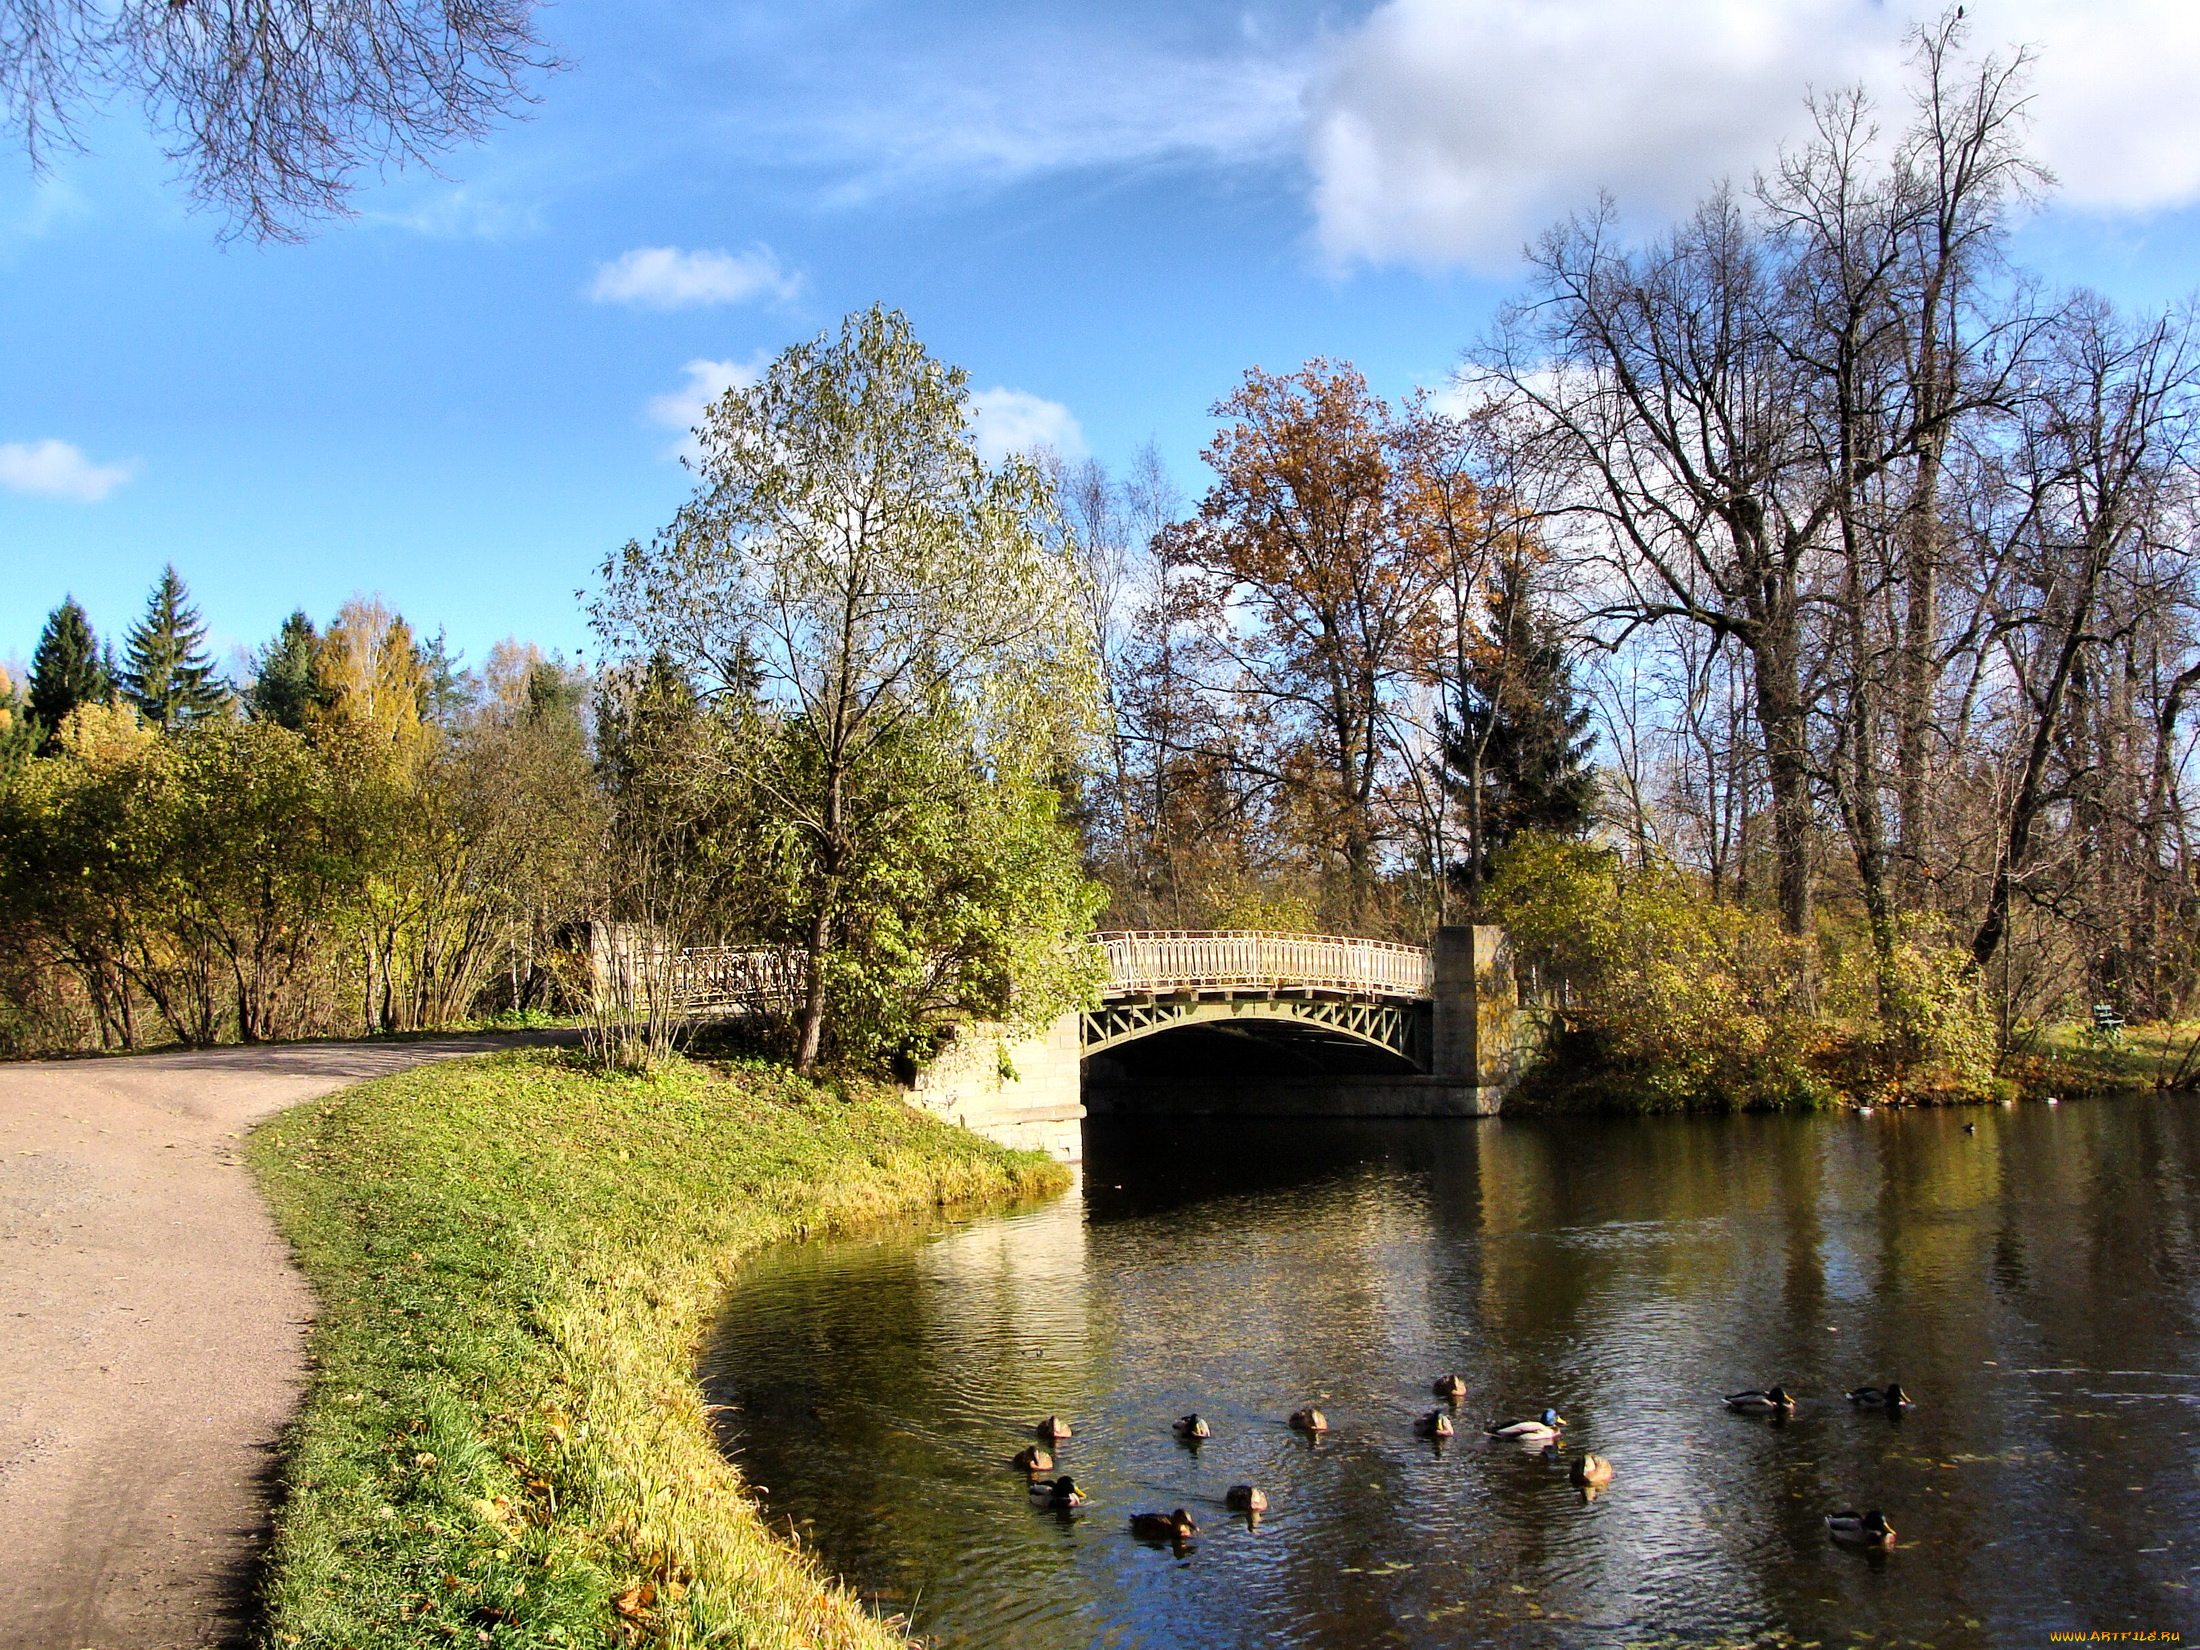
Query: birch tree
[(877, 615)]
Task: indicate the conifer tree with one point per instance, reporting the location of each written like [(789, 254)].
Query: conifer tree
[(66, 671), (1516, 751), (167, 672), (286, 681)]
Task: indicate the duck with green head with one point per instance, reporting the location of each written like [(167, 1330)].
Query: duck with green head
[(1058, 1492), (1889, 1397), (1869, 1529), (1773, 1400)]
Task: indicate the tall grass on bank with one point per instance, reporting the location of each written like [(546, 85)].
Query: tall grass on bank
[(515, 1258)]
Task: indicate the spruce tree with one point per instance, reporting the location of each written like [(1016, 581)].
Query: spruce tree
[(66, 671), (1516, 752), (167, 672), (286, 681)]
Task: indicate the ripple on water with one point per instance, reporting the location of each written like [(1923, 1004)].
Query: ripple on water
[(1626, 1272)]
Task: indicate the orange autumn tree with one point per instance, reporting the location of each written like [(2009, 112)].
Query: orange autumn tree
[(1316, 567)]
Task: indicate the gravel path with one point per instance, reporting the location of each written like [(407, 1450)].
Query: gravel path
[(152, 1337)]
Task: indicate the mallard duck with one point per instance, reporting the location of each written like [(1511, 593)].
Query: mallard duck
[(1435, 1424), (1869, 1529), (1890, 1396), (1309, 1419), (1168, 1526), (1774, 1401), (1590, 1472), (1031, 1458), (1450, 1386), (1192, 1426), (1545, 1425), (1059, 1492), (1245, 1498), (1053, 1429)]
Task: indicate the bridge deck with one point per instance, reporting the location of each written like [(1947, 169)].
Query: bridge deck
[(732, 979), (1168, 960)]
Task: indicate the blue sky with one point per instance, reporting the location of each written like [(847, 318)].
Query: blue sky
[(1108, 211)]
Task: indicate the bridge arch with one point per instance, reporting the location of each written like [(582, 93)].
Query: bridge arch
[(1324, 1033)]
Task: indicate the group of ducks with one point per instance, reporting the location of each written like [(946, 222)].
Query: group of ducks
[(1588, 1473), (1866, 1529)]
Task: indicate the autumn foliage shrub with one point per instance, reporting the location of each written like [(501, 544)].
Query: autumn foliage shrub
[(1661, 999)]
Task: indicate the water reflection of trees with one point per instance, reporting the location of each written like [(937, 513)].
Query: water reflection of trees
[(1625, 1271)]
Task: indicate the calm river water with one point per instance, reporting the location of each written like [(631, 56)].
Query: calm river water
[(2035, 1286)]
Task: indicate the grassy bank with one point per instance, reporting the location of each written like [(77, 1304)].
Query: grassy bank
[(2070, 1059), (515, 1258)]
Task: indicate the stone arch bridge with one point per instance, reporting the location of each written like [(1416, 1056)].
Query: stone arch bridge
[(1210, 1022), (1245, 1023)]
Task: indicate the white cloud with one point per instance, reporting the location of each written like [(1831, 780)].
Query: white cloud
[(1450, 131), (664, 277), (878, 100), (1004, 421), (459, 212), (682, 409), (57, 469)]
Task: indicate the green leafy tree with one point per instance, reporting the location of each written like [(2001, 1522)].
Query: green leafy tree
[(1516, 748), (877, 616), (167, 672), (66, 671), (286, 679)]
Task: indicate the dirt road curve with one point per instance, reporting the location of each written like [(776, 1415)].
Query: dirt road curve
[(152, 1334)]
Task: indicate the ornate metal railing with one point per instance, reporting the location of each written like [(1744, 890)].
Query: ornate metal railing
[(732, 979), (1160, 960)]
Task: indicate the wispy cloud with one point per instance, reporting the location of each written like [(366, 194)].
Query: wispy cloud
[(682, 409), (1004, 421), (458, 212), (59, 469), (950, 98), (1449, 131), (664, 277)]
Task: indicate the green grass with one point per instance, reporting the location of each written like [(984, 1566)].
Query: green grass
[(2071, 1058), (502, 1443)]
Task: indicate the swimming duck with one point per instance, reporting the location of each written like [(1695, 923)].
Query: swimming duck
[(1891, 1396), (1031, 1458), (1776, 1401), (1059, 1492), (1865, 1529), (1053, 1429), (1450, 1386), (1193, 1427), (1545, 1425), (1245, 1498), (1309, 1419), (1435, 1424), (1590, 1472), (1168, 1526)]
